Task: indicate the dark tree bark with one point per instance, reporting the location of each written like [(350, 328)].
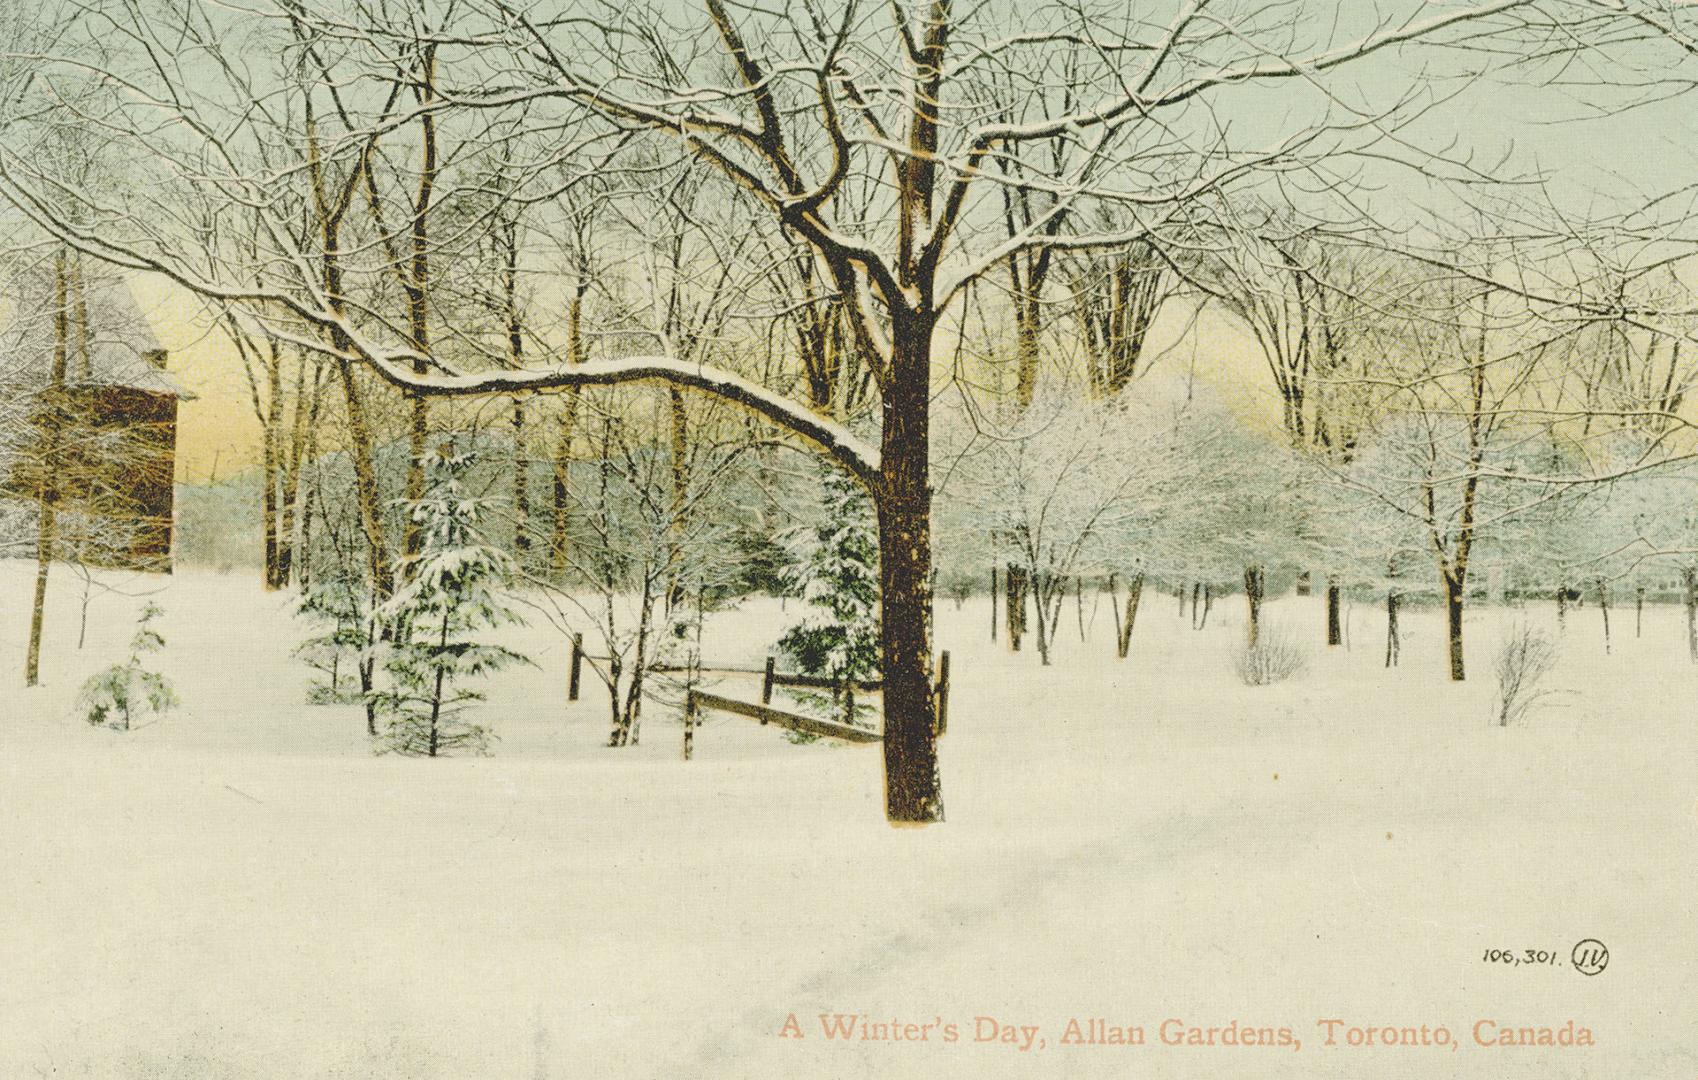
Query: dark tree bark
[(560, 540), (1255, 585), (1114, 604), (516, 359), (416, 283), (913, 792), (294, 507), (331, 209), (1453, 595), (1048, 591), (680, 430), (1079, 603), (1394, 644), (1124, 631), (1335, 627), (521, 485), (311, 493), (1604, 607), (365, 479), (1014, 609), (1689, 577), (1116, 303), (268, 472)]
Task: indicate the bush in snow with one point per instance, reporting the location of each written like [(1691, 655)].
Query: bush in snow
[(451, 591), (835, 571), (123, 693), (1526, 656), (1275, 657), (339, 602)]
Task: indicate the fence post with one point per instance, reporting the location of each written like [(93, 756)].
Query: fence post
[(766, 684), (577, 667), (942, 695), (993, 602)]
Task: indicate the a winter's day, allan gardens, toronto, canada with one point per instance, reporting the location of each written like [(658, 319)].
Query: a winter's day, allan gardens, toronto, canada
[(886, 539)]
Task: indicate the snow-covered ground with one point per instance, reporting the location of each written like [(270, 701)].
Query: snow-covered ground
[(243, 890)]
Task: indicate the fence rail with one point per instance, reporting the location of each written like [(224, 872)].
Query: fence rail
[(766, 714), (770, 676), (696, 700)]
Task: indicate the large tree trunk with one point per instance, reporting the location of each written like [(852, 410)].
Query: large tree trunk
[(912, 789), (1454, 587)]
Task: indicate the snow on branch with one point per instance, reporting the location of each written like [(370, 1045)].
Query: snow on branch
[(396, 365)]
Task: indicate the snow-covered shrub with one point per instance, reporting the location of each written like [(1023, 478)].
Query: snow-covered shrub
[(1526, 656), (451, 591), (119, 695), (339, 604), (835, 571), (1275, 657)]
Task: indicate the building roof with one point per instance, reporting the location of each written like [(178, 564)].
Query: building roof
[(119, 349)]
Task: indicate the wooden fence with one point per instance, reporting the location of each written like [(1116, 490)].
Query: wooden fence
[(770, 676), (695, 701)]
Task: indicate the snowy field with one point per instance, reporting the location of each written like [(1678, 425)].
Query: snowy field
[(243, 890)]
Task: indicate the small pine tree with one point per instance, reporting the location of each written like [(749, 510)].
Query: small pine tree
[(122, 693), (451, 592), (339, 603), (834, 568)]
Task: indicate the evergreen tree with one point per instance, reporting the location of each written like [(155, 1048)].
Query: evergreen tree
[(451, 592), (834, 569), (339, 603), (116, 696)]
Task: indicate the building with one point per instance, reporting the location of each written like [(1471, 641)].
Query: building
[(102, 445)]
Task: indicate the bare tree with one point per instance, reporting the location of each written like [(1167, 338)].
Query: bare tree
[(814, 99)]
